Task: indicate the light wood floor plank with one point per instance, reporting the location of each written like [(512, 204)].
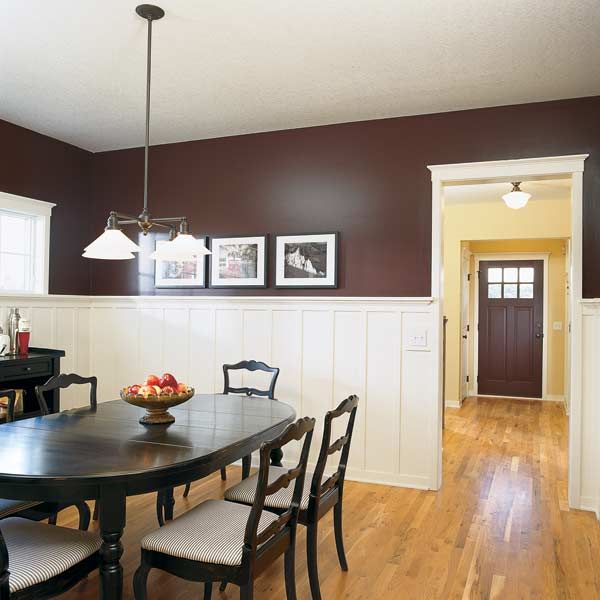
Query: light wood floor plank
[(499, 529)]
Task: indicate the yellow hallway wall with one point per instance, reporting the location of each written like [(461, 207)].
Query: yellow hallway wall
[(494, 225)]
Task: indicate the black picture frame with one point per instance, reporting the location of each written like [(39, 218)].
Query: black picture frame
[(161, 285), (306, 283), (261, 262)]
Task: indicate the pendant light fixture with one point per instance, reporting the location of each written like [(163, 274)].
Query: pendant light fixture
[(516, 198), (113, 244)]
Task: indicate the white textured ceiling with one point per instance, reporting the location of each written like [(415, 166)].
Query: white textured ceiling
[(74, 69), (546, 189)]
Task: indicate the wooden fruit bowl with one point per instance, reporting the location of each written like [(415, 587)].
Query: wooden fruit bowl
[(157, 407)]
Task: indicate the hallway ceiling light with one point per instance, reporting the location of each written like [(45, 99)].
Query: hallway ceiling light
[(516, 198), (113, 244)]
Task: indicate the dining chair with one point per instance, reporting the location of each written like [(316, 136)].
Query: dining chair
[(252, 366), (63, 381), (318, 496), (164, 497), (224, 541), (42, 561), (35, 510)]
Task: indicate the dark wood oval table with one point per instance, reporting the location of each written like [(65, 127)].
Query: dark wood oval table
[(106, 455)]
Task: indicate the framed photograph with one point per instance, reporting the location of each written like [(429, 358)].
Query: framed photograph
[(180, 273), (238, 262), (306, 261)]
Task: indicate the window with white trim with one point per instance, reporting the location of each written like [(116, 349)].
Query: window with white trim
[(24, 245)]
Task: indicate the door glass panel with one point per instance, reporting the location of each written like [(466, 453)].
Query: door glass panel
[(495, 290), (526, 274), (510, 290), (511, 274), (526, 290), (494, 275)]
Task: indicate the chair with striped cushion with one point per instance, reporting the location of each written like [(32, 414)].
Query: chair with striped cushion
[(318, 496), (42, 561), (248, 365), (223, 541), (29, 509)]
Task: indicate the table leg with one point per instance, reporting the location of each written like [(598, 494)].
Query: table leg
[(169, 503), (112, 523), (276, 456)]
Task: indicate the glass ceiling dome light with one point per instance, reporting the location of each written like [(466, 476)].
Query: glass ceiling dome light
[(516, 198), (113, 244)]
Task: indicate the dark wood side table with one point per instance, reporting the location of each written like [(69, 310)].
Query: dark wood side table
[(25, 372)]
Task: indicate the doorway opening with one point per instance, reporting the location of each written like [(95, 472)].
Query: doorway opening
[(502, 271)]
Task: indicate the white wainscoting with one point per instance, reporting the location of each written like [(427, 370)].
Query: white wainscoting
[(327, 348), (590, 408)]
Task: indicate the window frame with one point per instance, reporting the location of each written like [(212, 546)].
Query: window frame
[(41, 211)]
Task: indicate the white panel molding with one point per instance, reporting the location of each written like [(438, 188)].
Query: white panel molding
[(326, 347)]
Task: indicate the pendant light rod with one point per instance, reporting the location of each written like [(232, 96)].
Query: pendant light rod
[(147, 139)]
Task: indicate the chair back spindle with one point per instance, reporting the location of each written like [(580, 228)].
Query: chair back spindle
[(303, 428), (319, 488), (250, 365)]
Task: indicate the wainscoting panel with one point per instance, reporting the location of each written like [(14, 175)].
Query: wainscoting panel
[(326, 349), (590, 413)]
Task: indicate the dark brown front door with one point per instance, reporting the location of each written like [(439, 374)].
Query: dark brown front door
[(511, 328)]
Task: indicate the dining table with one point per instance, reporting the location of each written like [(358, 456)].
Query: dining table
[(105, 454)]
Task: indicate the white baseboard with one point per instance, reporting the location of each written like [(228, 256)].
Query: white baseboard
[(554, 398), (589, 503), (453, 403)]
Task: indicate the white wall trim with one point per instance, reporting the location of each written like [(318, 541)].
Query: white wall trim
[(506, 170), (453, 404), (543, 256), (326, 347)]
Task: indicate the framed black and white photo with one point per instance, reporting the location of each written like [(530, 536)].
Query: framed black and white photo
[(306, 261), (180, 273), (238, 262)]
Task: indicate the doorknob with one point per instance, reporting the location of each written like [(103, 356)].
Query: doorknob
[(539, 335), (464, 337)]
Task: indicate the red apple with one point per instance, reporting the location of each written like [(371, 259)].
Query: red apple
[(167, 379), (133, 389), (148, 390), (152, 380), (168, 390), (182, 388)]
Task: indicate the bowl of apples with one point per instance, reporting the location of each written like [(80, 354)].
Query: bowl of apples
[(157, 395)]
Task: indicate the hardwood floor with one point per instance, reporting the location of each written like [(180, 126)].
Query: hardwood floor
[(500, 527)]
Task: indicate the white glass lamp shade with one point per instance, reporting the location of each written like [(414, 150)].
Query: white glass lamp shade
[(113, 244), (183, 247), (516, 198)]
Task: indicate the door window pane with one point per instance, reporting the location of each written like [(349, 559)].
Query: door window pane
[(494, 275), (526, 274), (511, 274), (526, 290), (510, 290), (495, 290)]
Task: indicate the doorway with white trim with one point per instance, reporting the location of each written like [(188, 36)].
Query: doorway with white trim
[(527, 354)]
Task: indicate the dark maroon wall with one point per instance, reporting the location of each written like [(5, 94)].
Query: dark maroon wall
[(39, 167), (367, 180)]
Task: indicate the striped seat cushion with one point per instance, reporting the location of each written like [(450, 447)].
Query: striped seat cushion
[(244, 491), (213, 532), (10, 507), (37, 552)]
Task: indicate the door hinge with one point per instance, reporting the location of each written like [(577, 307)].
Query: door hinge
[(468, 327), (468, 276), (467, 379)]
